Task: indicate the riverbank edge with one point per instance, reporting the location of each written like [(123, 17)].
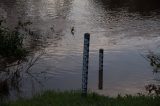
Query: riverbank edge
[(74, 98)]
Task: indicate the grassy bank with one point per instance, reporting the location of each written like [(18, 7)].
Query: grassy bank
[(51, 98)]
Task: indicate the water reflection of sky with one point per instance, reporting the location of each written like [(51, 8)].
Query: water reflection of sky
[(125, 36)]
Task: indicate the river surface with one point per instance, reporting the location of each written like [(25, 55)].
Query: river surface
[(126, 34)]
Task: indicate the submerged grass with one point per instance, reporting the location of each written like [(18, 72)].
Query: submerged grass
[(74, 98)]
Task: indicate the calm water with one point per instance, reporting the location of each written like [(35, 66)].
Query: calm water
[(125, 32)]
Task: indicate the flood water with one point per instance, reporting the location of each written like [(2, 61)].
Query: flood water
[(126, 33)]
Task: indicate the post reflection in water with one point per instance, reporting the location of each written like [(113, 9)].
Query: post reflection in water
[(123, 28)]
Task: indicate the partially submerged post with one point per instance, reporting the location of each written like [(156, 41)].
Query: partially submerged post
[(100, 84), (85, 64)]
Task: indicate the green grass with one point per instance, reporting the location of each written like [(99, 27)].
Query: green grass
[(73, 98)]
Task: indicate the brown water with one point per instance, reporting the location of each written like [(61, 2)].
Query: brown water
[(125, 32)]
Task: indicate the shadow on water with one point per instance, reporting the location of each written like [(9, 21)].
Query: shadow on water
[(143, 7), (12, 72), (11, 76), (37, 38)]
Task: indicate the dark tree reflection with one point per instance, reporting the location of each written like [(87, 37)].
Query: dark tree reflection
[(11, 76), (154, 62), (143, 7)]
